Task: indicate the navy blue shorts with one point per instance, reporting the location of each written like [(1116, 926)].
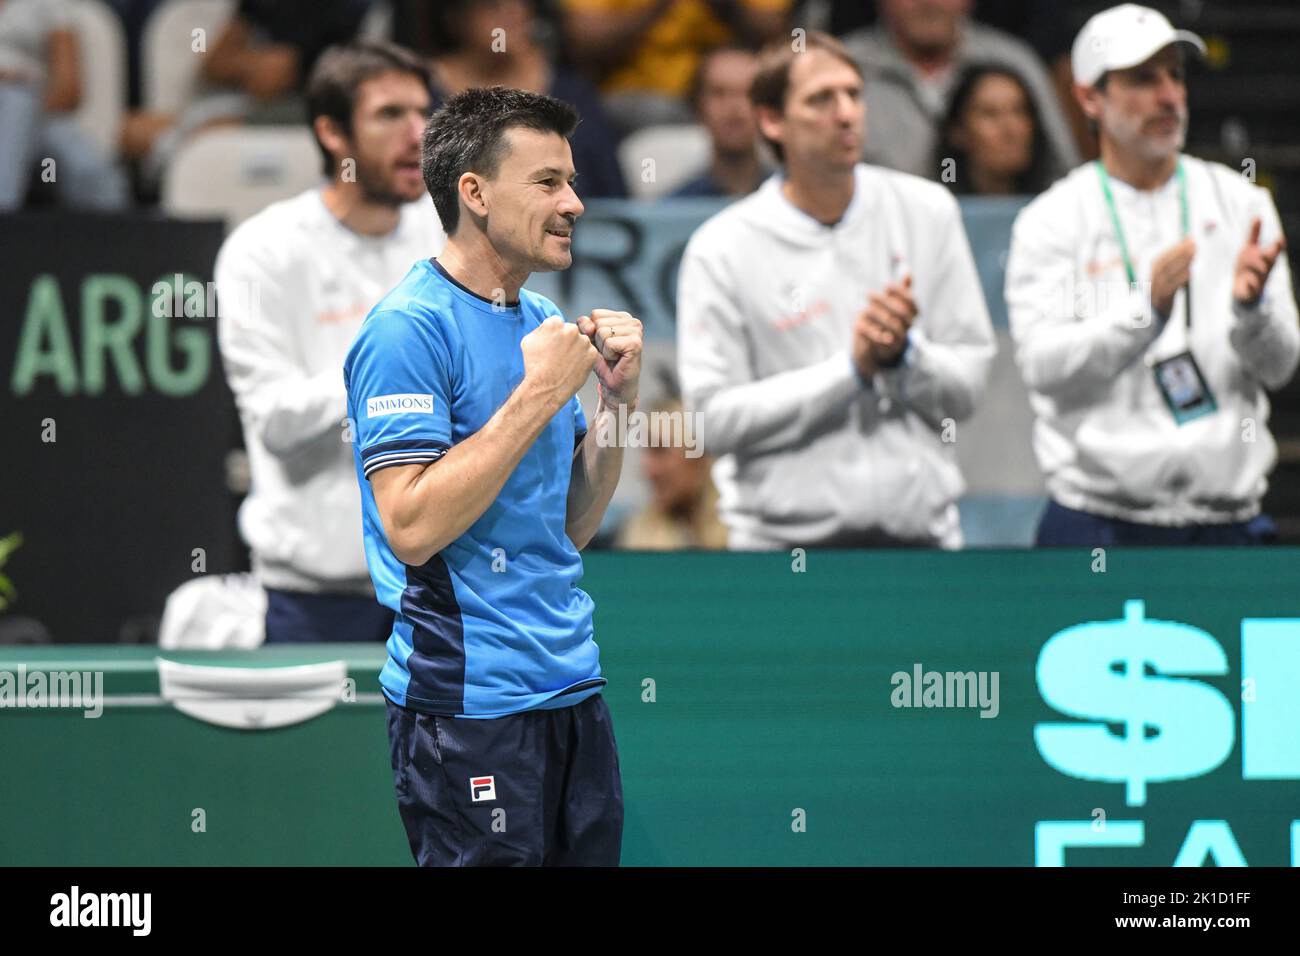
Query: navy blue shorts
[(1062, 527), (294, 617), (539, 788)]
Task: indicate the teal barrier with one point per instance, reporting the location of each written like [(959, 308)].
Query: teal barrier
[(1143, 709)]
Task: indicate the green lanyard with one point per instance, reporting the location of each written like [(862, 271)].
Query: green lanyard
[(1114, 215)]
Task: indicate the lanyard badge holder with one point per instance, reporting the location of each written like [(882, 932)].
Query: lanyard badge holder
[(1184, 388), (1179, 378)]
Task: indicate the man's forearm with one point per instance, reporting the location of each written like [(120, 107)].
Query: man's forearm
[(596, 470), (63, 89), (295, 411), (1072, 357), (773, 413), (444, 498), (1266, 340), (228, 61), (940, 380)]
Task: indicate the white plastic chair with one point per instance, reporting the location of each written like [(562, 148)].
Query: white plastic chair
[(102, 44), (679, 152), (169, 65), (378, 24), (232, 172)]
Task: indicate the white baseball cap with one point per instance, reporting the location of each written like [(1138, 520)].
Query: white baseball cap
[(1121, 37)]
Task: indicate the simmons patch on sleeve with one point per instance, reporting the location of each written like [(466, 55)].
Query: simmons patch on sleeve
[(399, 404)]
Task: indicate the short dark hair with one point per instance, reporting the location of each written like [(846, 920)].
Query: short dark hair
[(338, 75), (468, 135), (772, 82), (696, 88)]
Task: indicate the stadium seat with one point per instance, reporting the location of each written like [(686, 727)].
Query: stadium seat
[(169, 66), (378, 24), (232, 172), (103, 72), (679, 151), (23, 630)]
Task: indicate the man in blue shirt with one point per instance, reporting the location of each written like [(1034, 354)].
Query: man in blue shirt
[(480, 481)]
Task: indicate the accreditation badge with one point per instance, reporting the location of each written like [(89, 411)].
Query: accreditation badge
[(1184, 387)]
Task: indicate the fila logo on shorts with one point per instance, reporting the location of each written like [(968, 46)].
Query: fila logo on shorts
[(482, 788)]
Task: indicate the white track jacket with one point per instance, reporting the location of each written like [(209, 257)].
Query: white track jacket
[(767, 298), (294, 285), (1104, 436)]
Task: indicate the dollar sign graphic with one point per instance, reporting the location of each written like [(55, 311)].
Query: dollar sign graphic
[(1169, 728)]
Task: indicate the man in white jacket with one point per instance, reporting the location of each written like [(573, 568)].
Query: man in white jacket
[(295, 282), (832, 333), (1151, 307)]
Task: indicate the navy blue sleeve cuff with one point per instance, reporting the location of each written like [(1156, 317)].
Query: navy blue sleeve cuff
[(401, 452)]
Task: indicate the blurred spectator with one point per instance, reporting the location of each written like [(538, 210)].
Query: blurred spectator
[(269, 47), (1151, 305), (836, 17), (910, 60), (832, 333), (254, 72), (472, 54), (1044, 26), (644, 53), (40, 86), (720, 95), (295, 282), (1040, 23), (993, 136), (683, 511)]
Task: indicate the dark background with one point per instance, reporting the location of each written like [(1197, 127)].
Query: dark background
[(111, 511)]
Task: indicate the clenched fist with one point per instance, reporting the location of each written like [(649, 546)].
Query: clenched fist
[(557, 359), (618, 338)]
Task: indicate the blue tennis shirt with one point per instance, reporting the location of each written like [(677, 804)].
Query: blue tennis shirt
[(495, 623)]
